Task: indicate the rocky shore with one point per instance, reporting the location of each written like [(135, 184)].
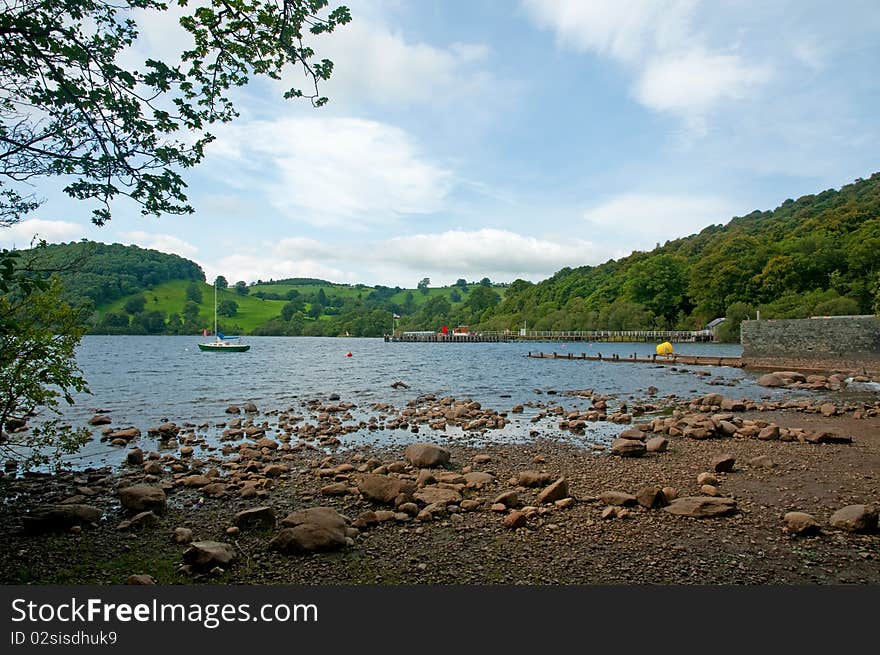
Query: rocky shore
[(709, 490)]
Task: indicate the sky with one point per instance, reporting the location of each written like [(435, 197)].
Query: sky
[(509, 139)]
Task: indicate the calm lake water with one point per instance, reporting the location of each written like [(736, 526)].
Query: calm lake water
[(144, 381)]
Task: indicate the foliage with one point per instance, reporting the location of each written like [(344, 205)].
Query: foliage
[(220, 282), (38, 337), (787, 262), (228, 308), (69, 108)]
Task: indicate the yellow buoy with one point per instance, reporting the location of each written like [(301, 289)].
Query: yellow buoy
[(664, 348)]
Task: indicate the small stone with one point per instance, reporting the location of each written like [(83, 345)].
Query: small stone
[(140, 579), (564, 503), (142, 520), (701, 506), (651, 497), (801, 523), (618, 498), (723, 463), (657, 444), (707, 478), (671, 493), (628, 448), (555, 491), (182, 535), (609, 513), (762, 461), (515, 519), (855, 518), (709, 490), (508, 499)]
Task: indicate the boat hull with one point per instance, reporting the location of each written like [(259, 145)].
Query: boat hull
[(224, 348)]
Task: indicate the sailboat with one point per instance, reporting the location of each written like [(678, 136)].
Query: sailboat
[(223, 343)]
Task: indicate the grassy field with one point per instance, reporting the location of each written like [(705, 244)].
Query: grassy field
[(170, 297)]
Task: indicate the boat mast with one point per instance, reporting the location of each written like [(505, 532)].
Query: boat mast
[(215, 309)]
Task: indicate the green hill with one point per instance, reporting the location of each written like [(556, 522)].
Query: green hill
[(169, 298), (819, 254)]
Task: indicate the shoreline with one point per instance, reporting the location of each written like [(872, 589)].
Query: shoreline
[(445, 526)]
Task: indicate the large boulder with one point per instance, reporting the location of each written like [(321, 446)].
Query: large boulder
[(628, 448), (770, 380), (205, 555), (657, 444), (427, 455), (701, 506), (49, 518), (855, 518), (380, 488), (307, 538), (326, 517), (143, 498), (311, 530)]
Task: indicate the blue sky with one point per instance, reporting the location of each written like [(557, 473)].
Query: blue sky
[(511, 139)]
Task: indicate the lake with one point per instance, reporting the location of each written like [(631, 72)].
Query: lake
[(146, 380)]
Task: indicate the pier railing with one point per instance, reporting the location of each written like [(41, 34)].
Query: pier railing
[(645, 336)]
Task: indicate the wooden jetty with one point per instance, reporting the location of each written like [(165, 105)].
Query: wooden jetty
[(692, 360), (598, 336)]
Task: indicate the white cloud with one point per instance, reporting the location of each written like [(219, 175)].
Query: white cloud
[(691, 82), (458, 253), (674, 67), (162, 242), (621, 30), (373, 62), (651, 218), (21, 234), (329, 170), (251, 267)]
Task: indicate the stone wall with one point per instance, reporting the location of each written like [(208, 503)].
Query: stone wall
[(844, 343)]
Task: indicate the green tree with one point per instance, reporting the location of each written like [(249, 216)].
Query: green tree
[(135, 304), (194, 293), (241, 288), (70, 108), (220, 282), (38, 338), (462, 284), (486, 282), (422, 286), (228, 308), (729, 330)]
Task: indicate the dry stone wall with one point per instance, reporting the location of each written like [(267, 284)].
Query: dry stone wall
[(844, 343)]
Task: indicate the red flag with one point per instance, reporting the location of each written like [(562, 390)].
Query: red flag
[(204, 332), (444, 330)]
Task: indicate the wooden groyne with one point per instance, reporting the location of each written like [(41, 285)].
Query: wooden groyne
[(692, 360), (598, 336)]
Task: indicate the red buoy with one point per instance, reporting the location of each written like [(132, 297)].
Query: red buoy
[(348, 355)]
